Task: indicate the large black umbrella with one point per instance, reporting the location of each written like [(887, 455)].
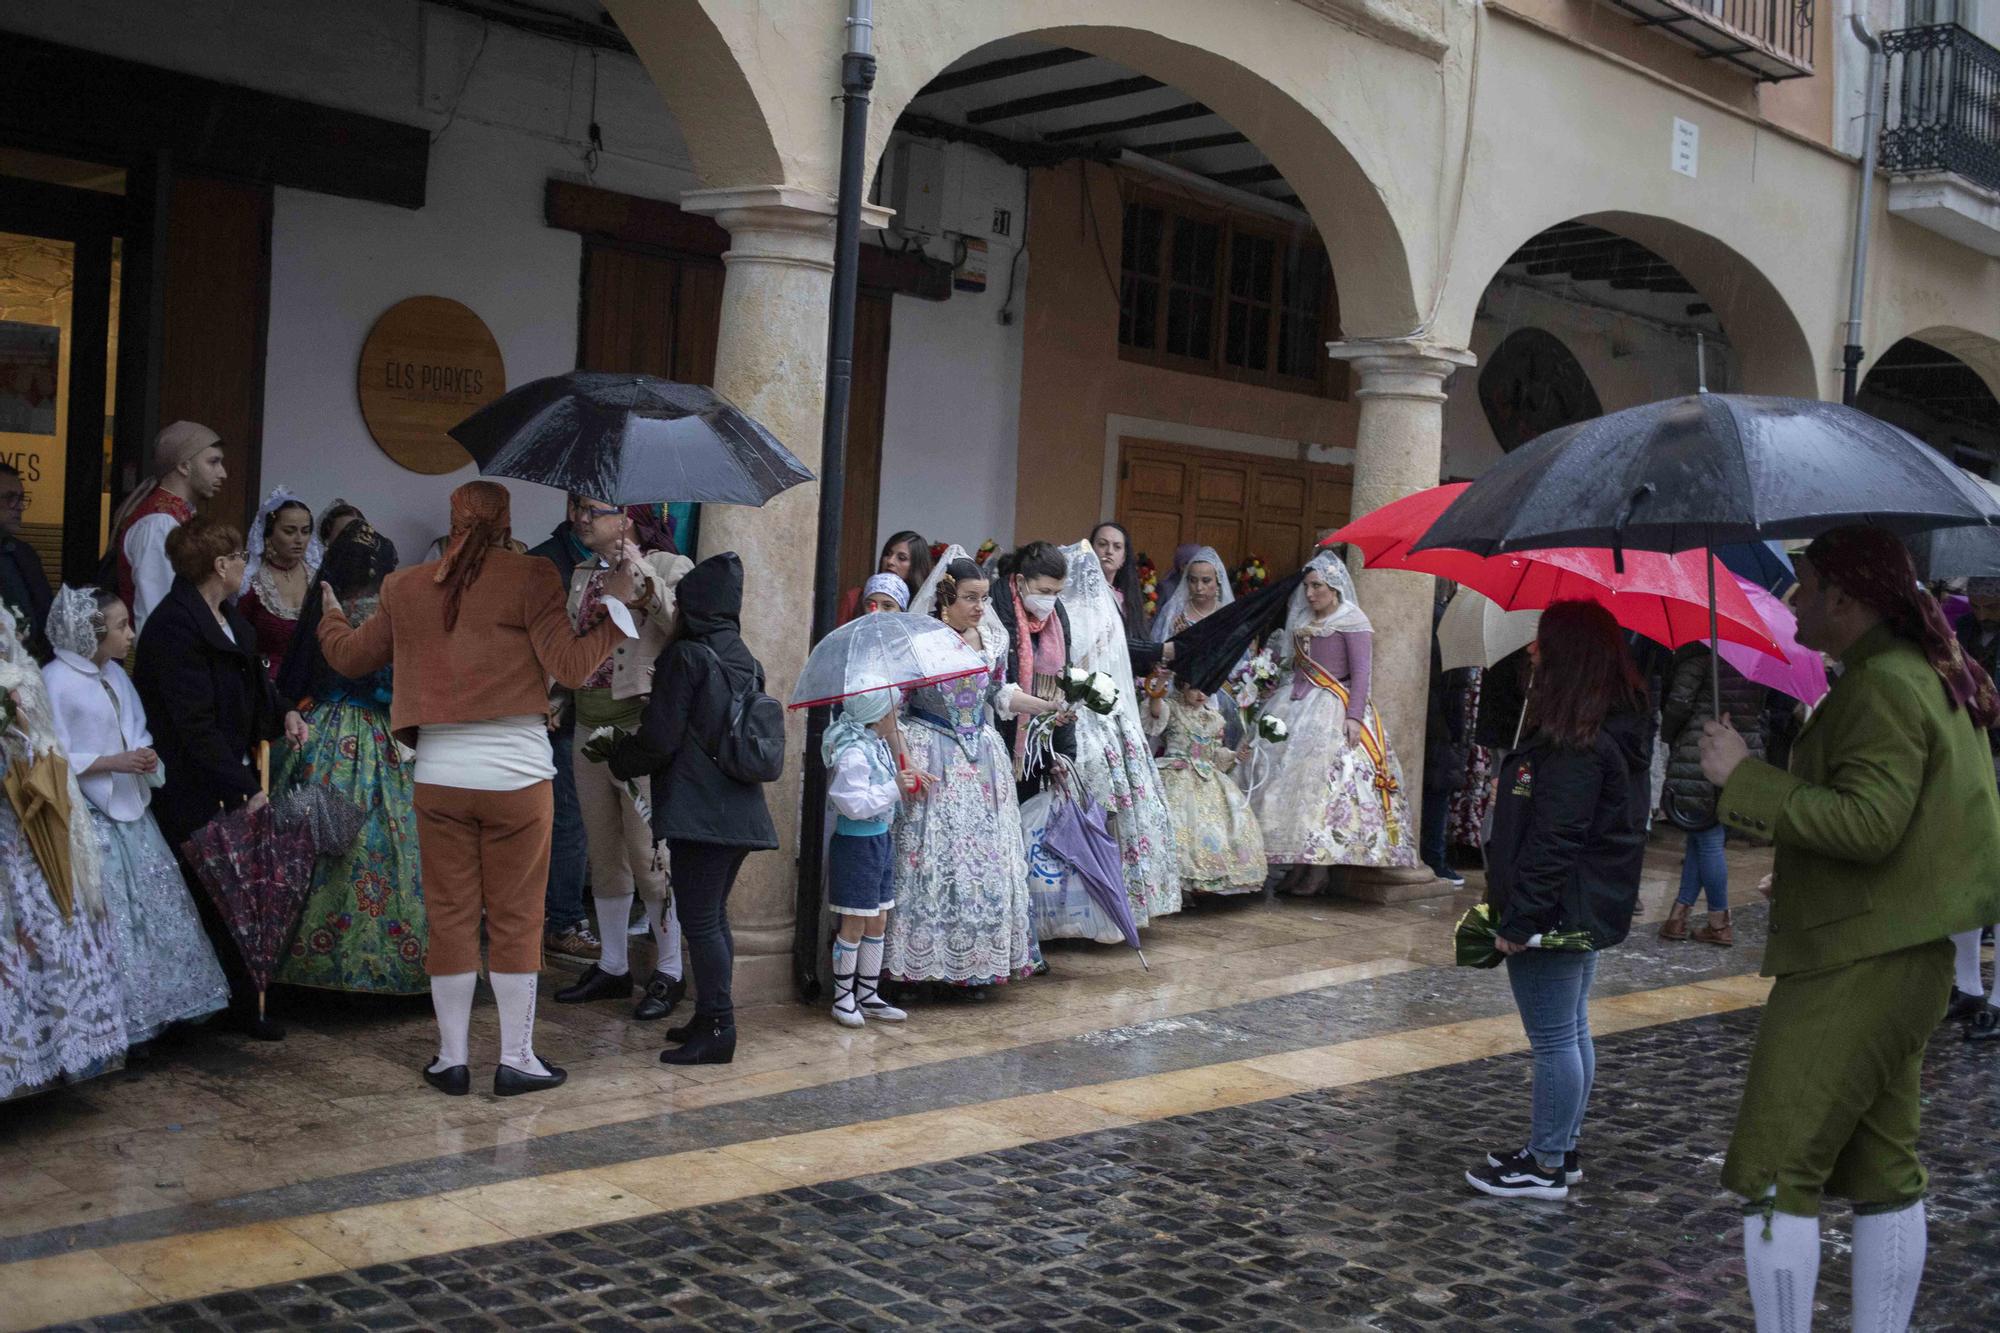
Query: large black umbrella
[(1956, 553), (1709, 470), (629, 439), (1207, 651)]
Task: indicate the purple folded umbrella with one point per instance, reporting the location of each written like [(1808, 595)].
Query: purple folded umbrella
[(1076, 835), (1801, 673)]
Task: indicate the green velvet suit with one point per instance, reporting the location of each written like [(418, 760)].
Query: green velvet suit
[(1888, 840)]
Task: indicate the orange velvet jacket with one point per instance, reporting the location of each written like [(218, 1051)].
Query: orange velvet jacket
[(513, 633)]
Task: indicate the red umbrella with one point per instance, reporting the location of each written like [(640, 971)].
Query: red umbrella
[(1664, 597)]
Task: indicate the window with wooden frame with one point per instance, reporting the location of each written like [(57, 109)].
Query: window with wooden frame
[(1226, 293)]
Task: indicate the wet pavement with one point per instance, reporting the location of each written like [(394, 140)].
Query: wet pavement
[(1329, 1209), (1267, 1130)]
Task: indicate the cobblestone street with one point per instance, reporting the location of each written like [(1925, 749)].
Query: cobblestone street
[(1096, 1150)]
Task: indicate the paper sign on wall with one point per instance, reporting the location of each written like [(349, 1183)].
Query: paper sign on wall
[(1686, 155)]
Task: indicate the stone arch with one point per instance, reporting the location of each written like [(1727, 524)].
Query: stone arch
[(1351, 186), (1942, 384), (1980, 351), (1774, 355), (724, 120)]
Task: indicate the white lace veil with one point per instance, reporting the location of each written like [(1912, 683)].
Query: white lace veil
[(280, 495), (73, 622), (1096, 628), (1347, 618), (1177, 600), (34, 734), (924, 603)]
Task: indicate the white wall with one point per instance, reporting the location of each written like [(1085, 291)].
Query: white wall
[(336, 264), (950, 438)]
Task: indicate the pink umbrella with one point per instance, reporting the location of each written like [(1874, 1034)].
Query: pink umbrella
[(1801, 672)]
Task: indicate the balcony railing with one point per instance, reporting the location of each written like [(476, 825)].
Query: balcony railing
[(1770, 39), (1943, 104)]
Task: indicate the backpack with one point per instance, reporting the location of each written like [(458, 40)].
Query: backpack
[(752, 745)]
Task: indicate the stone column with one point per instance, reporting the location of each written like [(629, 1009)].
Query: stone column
[(770, 360), (1398, 450)]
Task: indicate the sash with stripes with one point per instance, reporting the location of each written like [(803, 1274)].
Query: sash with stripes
[(1373, 742)]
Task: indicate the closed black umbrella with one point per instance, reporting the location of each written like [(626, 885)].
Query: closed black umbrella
[(630, 439), (1709, 470)]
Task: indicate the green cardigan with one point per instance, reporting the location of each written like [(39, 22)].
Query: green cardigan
[(1887, 826)]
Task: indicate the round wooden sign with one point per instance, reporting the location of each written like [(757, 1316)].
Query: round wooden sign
[(428, 364)]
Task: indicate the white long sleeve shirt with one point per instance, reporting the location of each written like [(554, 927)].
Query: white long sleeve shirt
[(858, 794), (152, 574)]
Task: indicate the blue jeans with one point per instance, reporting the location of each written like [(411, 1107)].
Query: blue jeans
[(568, 856), (1703, 867), (1552, 991)]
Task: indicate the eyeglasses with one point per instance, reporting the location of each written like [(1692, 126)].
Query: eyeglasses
[(13, 499), (594, 512)]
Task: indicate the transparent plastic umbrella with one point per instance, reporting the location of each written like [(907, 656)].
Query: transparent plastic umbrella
[(885, 648)]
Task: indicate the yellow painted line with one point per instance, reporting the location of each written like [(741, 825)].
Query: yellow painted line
[(91, 1283)]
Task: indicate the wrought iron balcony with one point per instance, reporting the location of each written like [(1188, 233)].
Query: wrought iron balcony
[(1769, 39), (1943, 111)]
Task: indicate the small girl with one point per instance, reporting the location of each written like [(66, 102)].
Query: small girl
[(170, 969), (1221, 846), (865, 788)]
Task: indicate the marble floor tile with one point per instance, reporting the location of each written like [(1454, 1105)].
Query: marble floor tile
[(1186, 1091), (685, 1180), (394, 1232), (179, 1268), (537, 1205), (63, 1287)]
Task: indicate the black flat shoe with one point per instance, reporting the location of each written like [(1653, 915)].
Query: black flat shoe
[(511, 1082), (713, 1042), (596, 984), (455, 1081), (662, 994), (1963, 1008)]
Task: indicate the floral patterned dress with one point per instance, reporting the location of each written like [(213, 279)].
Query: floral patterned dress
[(363, 927), (1319, 800), (962, 910), (1221, 846)]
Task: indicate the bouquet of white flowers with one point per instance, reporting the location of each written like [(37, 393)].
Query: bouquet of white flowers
[(1093, 689), (1272, 729)]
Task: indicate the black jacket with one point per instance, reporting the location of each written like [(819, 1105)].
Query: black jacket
[(1503, 692), (560, 551), (1444, 729), (1065, 737), (208, 702), (705, 667), (1569, 834), (1983, 648), (1689, 701), (25, 589)]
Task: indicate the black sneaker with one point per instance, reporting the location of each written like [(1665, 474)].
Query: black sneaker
[(1985, 1025), (1572, 1163), (1963, 1008), (1519, 1179)]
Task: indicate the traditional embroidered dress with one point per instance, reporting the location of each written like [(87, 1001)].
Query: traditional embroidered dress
[(961, 890), (1318, 799), (155, 505), (363, 927), (261, 600), (169, 968), (62, 1000), (1220, 844), (1114, 759)]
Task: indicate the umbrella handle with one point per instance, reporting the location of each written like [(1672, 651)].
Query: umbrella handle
[(1625, 513), (260, 1006)]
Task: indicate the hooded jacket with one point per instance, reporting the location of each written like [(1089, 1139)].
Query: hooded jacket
[(702, 670), (1569, 834)]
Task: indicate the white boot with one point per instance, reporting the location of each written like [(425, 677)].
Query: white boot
[(868, 982), (846, 1012)]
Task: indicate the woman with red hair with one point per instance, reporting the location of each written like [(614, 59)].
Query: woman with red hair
[(474, 637)]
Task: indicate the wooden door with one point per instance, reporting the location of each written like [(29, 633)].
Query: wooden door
[(1170, 494), (216, 302), (862, 488)]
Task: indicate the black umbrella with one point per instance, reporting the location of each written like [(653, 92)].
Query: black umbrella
[(1208, 650), (1709, 470), (1956, 553), (629, 439)]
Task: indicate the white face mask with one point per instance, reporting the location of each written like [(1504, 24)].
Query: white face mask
[(1039, 604)]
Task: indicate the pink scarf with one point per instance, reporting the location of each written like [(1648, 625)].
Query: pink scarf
[(1050, 650)]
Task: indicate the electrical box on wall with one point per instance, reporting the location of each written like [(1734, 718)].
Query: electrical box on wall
[(917, 188)]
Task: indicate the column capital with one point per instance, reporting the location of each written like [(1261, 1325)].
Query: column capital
[(777, 223), (1401, 368)]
